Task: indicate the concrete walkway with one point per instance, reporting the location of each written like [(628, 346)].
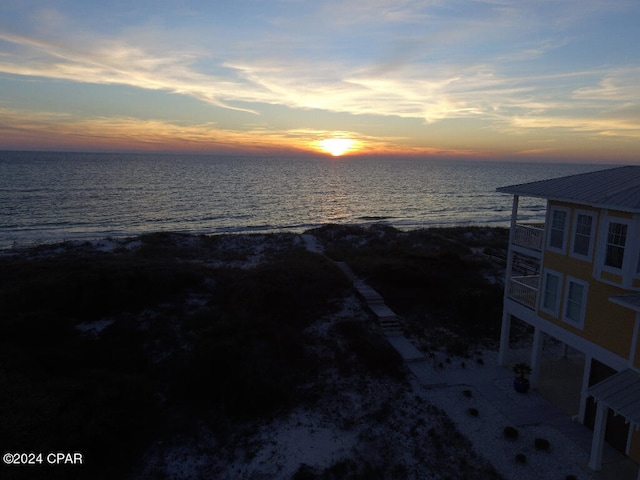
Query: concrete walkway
[(491, 381), (494, 384)]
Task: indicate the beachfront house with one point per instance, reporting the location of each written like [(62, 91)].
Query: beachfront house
[(575, 280)]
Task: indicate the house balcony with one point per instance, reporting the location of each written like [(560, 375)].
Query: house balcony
[(524, 290), (529, 235)]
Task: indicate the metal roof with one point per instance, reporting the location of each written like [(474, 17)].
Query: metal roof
[(615, 188), (621, 393)]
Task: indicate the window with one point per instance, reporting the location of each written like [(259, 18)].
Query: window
[(616, 240), (558, 227), (575, 302), (551, 293), (582, 235)]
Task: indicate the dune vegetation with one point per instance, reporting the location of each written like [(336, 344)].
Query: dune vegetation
[(110, 348)]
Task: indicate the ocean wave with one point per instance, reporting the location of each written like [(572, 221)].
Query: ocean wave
[(52, 197)]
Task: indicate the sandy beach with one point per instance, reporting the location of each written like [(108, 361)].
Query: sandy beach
[(352, 406)]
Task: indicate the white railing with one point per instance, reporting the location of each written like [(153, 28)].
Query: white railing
[(529, 236), (524, 290)]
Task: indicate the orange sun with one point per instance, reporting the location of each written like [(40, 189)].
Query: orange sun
[(337, 146)]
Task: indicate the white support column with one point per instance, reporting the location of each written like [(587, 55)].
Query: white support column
[(586, 373), (514, 216), (505, 330), (536, 356), (599, 429)]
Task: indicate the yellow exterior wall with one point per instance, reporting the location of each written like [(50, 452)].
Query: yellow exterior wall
[(608, 324), (610, 277), (625, 215), (605, 323)]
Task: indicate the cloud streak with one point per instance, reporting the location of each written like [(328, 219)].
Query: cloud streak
[(507, 66)]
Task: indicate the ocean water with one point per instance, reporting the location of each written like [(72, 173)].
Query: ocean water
[(51, 197)]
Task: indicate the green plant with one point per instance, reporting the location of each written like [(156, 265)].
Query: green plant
[(521, 369), (542, 444), (510, 433), (521, 458), (474, 412)]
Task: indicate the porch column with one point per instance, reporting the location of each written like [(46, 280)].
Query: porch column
[(514, 216), (586, 373), (597, 444), (536, 356), (505, 333)]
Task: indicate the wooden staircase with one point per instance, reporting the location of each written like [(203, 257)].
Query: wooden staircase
[(386, 317)]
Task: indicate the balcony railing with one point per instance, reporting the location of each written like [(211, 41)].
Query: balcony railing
[(529, 236), (524, 290)]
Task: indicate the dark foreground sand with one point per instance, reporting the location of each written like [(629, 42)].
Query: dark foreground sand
[(246, 356)]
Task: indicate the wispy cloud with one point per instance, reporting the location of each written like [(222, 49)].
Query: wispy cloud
[(509, 66), (116, 62), (127, 133), (604, 126), (621, 85)]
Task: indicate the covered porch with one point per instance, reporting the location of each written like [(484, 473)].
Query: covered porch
[(566, 373), (619, 394)]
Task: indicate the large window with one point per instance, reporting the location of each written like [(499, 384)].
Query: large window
[(616, 241), (582, 235), (557, 229), (575, 302), (551, 293)]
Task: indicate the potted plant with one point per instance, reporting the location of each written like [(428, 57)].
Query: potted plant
[(521, 382)]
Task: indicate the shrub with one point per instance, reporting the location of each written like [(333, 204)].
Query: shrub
[(371, 350), (510, 433), (345, 468), (304, 472), (467, 393), (521, 458), (89, 288), (542, 444), (474, 412), (421, 271)]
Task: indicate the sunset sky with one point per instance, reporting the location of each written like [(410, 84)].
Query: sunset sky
[(505, 79)]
